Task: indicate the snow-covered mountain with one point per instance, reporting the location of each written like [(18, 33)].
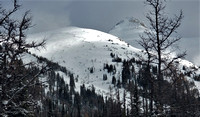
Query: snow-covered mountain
[(85, 52), (129, 30)]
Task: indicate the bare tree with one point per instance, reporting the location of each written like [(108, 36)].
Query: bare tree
[(158, 41), (16, 77)]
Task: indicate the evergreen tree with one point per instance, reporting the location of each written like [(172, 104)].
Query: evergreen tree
[(134, 100), (126, 74), (72, 83), (124, 104), (113, 80)]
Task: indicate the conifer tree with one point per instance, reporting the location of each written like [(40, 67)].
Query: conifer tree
[(72, 83)]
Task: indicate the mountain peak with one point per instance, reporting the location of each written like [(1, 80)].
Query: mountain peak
[(129, 29), (132, 22), (90, 55), (85, 52)]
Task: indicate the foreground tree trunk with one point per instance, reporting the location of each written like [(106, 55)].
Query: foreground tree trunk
[(158, 40)]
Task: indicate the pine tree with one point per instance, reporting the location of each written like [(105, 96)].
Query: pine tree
[(114, 80), (72, 83), (134, 99), (124, 104)]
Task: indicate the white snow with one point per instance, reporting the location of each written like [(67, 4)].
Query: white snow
[(129, 30), (80, 49)]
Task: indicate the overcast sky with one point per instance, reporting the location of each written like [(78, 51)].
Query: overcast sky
[(104, 14)]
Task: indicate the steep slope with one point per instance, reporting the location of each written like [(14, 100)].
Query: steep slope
[(85, 52)]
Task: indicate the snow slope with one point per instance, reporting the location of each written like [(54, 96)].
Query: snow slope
[(129, 30), (80, 50)]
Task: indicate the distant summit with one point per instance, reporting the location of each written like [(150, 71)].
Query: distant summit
[(131, 22), (128, 30)]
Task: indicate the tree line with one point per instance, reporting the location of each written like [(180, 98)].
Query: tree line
[(158, 88)]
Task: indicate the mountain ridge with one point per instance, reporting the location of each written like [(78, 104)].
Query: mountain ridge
[(81, 50), (86, 51)]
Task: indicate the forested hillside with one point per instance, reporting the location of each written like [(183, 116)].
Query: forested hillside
[(78, 72)]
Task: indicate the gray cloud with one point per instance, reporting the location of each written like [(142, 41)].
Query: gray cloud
[(191, 10), (104, 14), (48, 15)]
